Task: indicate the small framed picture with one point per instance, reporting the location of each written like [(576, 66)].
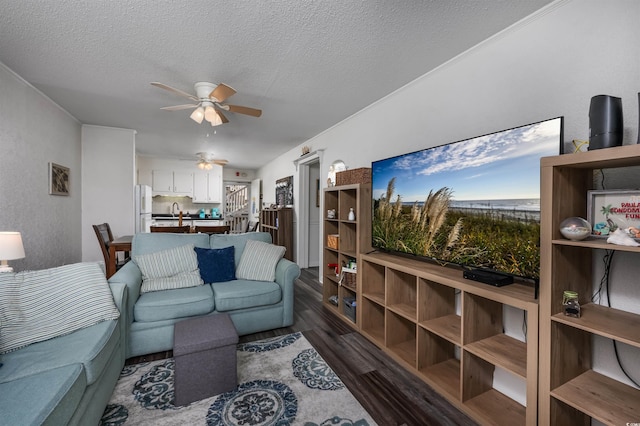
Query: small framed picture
[(608, 211), (58, 179)]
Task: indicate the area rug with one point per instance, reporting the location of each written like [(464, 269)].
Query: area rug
[(281, 381)]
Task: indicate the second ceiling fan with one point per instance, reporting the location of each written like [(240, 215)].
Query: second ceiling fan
[(209, 106)]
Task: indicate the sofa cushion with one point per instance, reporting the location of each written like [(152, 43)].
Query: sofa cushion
[(241, 294), (238, 241), (50, 397), (171, 304), (259, 260), (93, 347), (216, 265), (169, 269), (39, 305)]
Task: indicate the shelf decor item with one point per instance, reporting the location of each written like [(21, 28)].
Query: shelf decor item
[(352, 215), (575, 228), (608, 210), (570, 304), (333, 241)]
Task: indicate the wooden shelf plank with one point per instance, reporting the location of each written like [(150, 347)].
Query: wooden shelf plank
[(445, 377), (494, 408), (447, 327), (607, 322), (502, 351), (375, 297), (405, 310), (596, 243), (601, 398)]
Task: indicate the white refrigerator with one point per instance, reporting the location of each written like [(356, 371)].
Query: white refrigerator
[(143, 202)]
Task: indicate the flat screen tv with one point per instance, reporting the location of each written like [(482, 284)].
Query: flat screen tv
[(474, 203)]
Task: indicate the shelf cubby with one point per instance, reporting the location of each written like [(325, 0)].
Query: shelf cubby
[(374, 286), (438, 362), (401, 338), (373, 319), (402, 294)]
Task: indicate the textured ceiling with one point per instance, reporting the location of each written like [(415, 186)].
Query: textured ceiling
[(307, 64)]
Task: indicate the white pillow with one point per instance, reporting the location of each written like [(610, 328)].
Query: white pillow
[(39, 305), (169, 269), (258, 261)]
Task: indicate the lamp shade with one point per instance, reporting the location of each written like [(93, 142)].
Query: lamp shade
[(11, 246), (197, 115)]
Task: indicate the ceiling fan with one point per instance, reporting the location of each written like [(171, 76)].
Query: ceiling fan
[(208, 106), (206, 161)]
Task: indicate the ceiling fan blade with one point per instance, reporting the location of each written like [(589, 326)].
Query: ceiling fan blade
[(179, 107), (222, 92), (244, 110), (220, 162), (176, 91), (222, 117)]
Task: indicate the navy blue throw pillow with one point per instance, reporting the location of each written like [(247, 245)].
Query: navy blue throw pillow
[(216, 265)]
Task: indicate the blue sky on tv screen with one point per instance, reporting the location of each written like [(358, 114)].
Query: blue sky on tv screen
[(499, 166)]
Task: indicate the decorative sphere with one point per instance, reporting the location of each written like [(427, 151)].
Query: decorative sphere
[(575, 228)]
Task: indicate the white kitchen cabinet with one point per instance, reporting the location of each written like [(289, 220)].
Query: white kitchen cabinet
[(183, 182), (207, 186), (162, 181), (175, 183)]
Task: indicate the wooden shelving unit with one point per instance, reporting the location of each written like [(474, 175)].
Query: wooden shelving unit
[(279, 223), (449, 331), (571, 392), (353, 237)]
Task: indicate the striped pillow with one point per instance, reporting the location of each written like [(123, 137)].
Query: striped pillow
[(169, 269), (258, 261), (40, 305)]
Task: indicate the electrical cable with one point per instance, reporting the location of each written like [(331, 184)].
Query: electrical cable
[(610, 253)]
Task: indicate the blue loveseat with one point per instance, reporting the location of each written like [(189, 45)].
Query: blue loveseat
[(252, 305)]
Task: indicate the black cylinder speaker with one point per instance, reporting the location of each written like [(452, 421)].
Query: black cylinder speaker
[(605, 122)]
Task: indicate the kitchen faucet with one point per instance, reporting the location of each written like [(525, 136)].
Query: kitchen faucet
[(175, 204)]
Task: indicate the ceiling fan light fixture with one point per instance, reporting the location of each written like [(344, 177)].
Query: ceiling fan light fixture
[(198, 114)]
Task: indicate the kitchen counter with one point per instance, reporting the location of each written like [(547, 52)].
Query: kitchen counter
[(162, 217)]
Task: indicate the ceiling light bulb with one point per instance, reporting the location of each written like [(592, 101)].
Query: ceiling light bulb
[(208, 166), (197, 115), (217, 120), (210, 114), (201, 165)]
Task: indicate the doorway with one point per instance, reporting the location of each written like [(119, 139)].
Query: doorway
[(236, 205), (309, 204)]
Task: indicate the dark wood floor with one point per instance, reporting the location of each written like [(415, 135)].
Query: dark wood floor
[(390, 394)]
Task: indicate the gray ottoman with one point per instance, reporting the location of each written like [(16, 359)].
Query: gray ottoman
[(204, 349)]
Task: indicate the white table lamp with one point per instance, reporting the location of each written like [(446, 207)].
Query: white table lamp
[(10, 248)]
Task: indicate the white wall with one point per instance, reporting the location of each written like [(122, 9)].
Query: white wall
[(33, 132), (108, 179), (547, 65)]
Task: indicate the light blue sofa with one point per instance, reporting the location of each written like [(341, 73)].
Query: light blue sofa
[(67, 379), (252, 305)]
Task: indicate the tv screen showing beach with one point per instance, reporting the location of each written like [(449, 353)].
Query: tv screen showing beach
[(474, 203)]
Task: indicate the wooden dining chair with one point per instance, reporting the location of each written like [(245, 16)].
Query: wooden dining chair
[(172, 229), (220, 229), (103, 232)]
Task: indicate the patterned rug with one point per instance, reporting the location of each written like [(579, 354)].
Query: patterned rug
[(281, 381)]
